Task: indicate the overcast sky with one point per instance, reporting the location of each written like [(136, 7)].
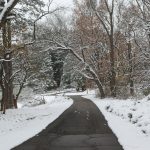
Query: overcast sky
[(66, 3)]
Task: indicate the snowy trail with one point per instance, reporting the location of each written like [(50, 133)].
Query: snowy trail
[(30, 121), (81, 127)]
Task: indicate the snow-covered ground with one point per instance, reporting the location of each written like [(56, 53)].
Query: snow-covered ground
[(31, 118), (129, 120)]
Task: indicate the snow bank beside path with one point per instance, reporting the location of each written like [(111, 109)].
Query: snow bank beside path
[(19, 125), (129, 120)]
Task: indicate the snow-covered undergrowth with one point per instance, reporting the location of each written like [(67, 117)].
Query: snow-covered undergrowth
[(32, 101), (135, 112), (21, 124), (128, 119), (74, 92)]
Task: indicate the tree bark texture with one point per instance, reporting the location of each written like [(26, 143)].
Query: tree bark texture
[(7, 66), (98, 83)]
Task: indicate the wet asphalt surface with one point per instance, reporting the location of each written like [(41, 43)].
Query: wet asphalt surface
[(80, 127)]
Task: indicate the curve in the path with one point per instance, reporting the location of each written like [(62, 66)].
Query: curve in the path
[(80, 127)]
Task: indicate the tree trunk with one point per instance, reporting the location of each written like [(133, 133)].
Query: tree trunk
[(131, 87), (2, 101), (112, 71), (97, 81), (100, 87), (7, 66), (131, 82), (112, 59)]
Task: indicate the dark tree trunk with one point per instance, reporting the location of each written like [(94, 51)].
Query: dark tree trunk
[(2, 100), (131, 87), (7, 66)]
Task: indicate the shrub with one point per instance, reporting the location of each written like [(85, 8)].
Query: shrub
[(146, 91)]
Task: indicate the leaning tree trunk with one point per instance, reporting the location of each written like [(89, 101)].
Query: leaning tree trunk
[(97, 81), (100, 87)]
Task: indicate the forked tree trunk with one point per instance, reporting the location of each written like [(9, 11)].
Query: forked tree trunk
[(19, 92)]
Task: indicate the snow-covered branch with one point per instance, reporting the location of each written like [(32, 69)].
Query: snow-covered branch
[(59, 46), (48, 12), (7, 9)]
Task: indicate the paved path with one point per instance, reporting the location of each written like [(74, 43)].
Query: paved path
[(81, 127)]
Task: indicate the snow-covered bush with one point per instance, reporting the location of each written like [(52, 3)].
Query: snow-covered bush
[(137, 112), (146, 91), (35, 101)]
